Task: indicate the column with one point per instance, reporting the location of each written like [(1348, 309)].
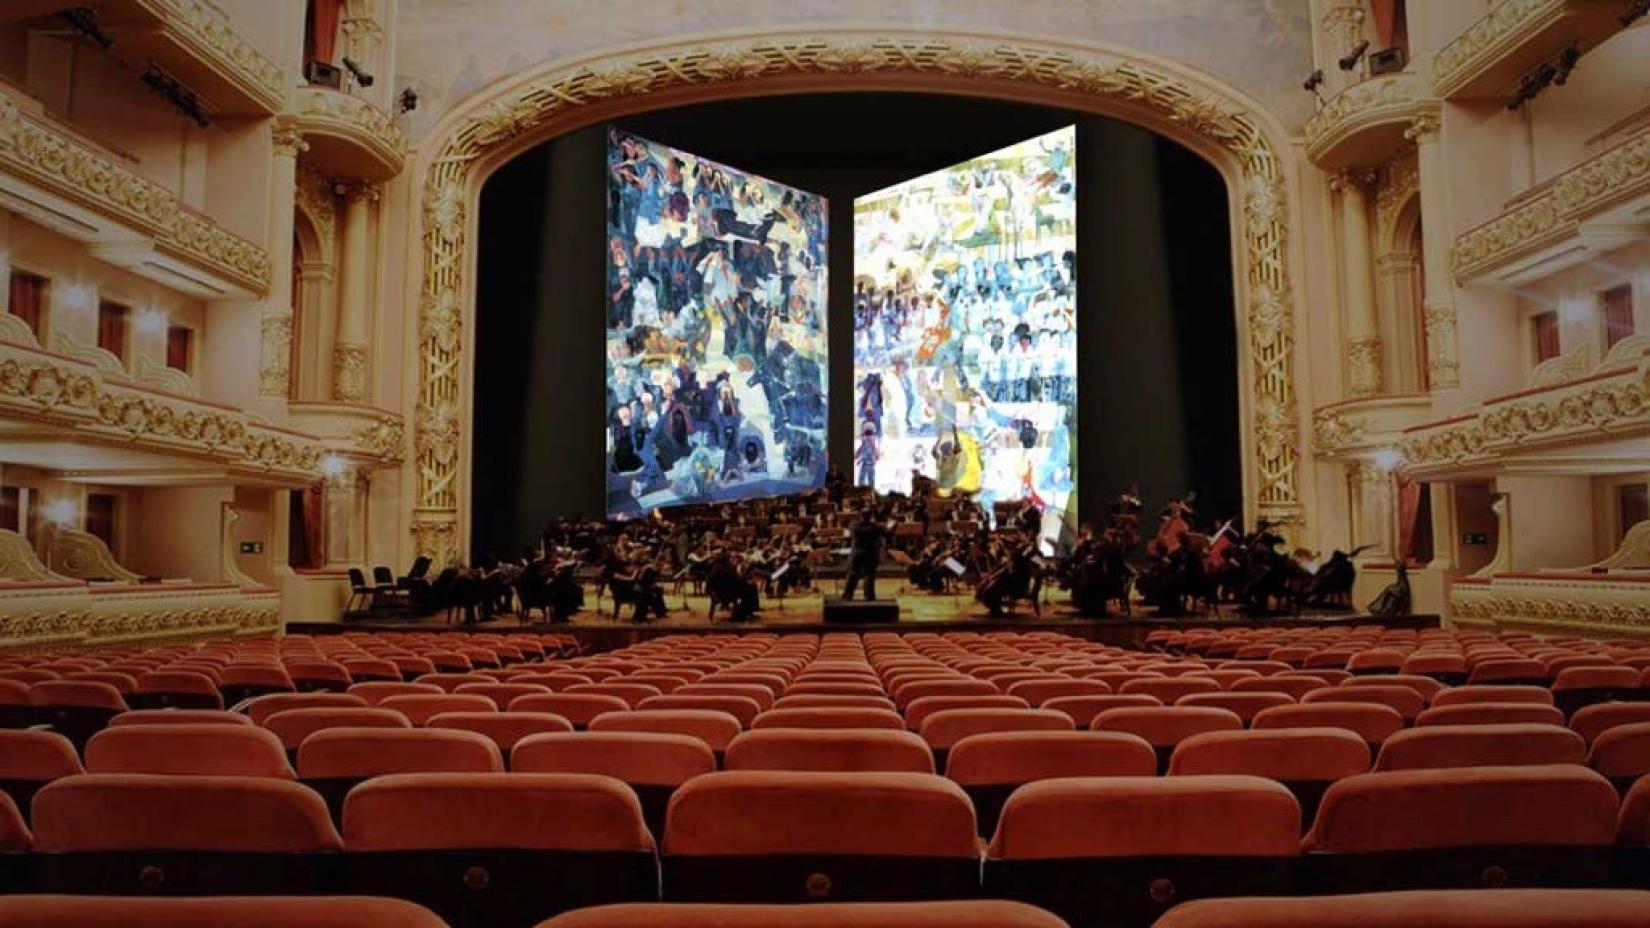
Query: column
[(351, 370), (1443, 373), (275, 327), (1363, 334), (1374, 510), (346, 517)]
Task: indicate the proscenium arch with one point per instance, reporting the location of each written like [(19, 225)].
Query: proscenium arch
[(1233, 133)]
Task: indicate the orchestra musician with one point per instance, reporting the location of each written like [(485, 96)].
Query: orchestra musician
[(866, 555)]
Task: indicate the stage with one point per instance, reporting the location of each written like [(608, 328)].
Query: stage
[(917, 612)]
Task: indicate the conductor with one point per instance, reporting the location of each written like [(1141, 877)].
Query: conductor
[(864, 555)]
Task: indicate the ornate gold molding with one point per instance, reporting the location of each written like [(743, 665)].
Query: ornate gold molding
[(349, 373), (1076, 77), (275, 355), (1490, 55), (1567, 604), (1611, 177), (19, 562), (1605, 406), (84, 556), (45, 388), (71, 169), (1363, 365), (1389, 100), (209, 33), (368, 130), (318, 201)]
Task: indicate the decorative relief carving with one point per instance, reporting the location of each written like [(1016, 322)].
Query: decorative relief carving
[(165, 378), (1563, 369), (1333, 431), (1363, 365), (1504, 27), (1443, 371), (288, 138), (322, 110), (1597, 408), (103, 359), (13, 329), (1344, 24), (84, 556), (275, 355), (211, 31), (19, 562), (1632, 554), (1383, 99), (1399, 183), (1613, 176), (76, 171), (318, 201), (384, 440), (1085, 76), (41, 387), (349, 373), (1597, 607)]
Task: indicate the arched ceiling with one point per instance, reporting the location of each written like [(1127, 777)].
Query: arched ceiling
[(450, 49)]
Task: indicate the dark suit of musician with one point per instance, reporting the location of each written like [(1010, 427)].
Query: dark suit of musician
[(865, 556)]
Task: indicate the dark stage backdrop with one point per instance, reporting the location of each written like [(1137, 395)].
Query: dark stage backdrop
[(1157, 343)]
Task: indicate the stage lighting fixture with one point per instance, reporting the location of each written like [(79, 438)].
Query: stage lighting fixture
[(1350, 59), (182, 98), (361, 77), (1313, 80), (408, 101), (82, 21)]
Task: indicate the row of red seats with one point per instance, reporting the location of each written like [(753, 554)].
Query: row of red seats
[(1438, 909)]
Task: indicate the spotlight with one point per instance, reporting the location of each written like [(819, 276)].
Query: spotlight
[(333, 466), (152, 320), (1350, 59), (182, 98), (361, 77), (1313, 80), (83, 21), (408, 100), (60, 512)]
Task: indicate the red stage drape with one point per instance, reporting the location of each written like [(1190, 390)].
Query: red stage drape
[(1388, 27), (323, 29), (26, 293), (1414, 522)]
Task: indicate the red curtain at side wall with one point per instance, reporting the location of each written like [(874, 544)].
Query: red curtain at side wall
[(1414, 522), (307, 527), (26, 293), (1387, 16), (322, 29)]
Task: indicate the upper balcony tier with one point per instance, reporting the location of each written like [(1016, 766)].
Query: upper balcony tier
[(1487, 61), (1594, 207), (347, 136), (58, 178), (192, 40), (1365, 125)]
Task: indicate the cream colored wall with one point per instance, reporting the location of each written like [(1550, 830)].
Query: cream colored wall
[(1551, 521), (1574, 293), (179, 533), (1610, 84)]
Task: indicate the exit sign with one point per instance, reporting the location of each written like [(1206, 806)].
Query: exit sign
[(1475, 538), (252, 547)]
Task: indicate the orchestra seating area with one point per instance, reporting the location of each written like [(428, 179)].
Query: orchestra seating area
[(1445, 777)]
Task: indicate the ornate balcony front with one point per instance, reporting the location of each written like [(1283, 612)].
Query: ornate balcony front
[(1590, 424), (1362, 427), (347, 136), (63, 181), (192, 40), (1594, 207), (1364, 125), (1487, 61), (366, 434), (57, 410)]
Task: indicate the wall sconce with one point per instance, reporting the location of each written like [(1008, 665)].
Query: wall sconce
[(80, 296), (333, 466), (60, 512), (1388, 460), (152, 321), (1573, 311)]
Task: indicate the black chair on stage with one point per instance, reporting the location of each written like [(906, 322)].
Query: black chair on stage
[(363, 597)]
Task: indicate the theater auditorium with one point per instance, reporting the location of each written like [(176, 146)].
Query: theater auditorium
[(833, 464)]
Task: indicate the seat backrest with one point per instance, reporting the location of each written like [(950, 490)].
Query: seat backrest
[(358, 753), (1465, 807), (1041, 690), (1170, 689), (639, 757), (1591, 721), (578, 708), (1481, 746), (906, 693), (419, 708), (1474, 908), (14, 832), (1205, 816), (749, 812), (1406, 700), (761, 695), (830, 750), (743, 708), (945, 728), (1284, 754), (939, 914), (36, 755), (1633, 824), (1374, 723), (539, 811), (374, 692), (631, 693), (1167, 726), (1008, 757), (918, 710), (1457, 695), (188, 749), (831, 700), (505, 728), (1245, 705), (124, 811), (82, 694), (265, 706), (716, 729), (501, 693), (292, 726), (830, 717), (1083, 709), (1622, 751), (1491, 713)]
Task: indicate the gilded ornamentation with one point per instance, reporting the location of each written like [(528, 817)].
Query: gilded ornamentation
[(324, 111), (76, 171), (39, 386), (1334, 431), (1443, 371), (209, 31), (1082, 75), (15, 330), (169, 379), (288, 138), (319, 204), (1567, 604), (1400, 181), (384, 440), (84, 556), (1344, 23), (1632, 554), (1508, 25), (349, 373), (1613, 176), (1384, 99), (1363, 366), (19, 562), (275, 355)]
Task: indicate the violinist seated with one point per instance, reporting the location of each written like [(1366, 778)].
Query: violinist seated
[(620, 580), (650, 597), (928, 571), (728, 586), (566, 595)]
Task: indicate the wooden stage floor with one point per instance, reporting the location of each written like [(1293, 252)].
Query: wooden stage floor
[(918, 611)]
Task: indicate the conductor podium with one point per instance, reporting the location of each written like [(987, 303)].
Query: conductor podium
[(860, 611)]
